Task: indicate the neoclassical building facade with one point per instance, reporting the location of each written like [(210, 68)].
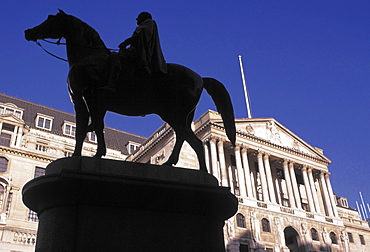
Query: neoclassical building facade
[(286, 201), (32, 136)]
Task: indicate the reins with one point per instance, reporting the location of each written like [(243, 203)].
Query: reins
[(56, 43), (59, 43)]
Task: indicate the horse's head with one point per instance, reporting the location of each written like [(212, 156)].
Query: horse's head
[(54, 27)]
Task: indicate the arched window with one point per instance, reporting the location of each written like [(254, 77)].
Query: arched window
[(240, 220), (3, 164), (333, 238), (265, 225), (314, 235)]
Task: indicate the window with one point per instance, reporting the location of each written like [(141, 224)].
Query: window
[(13, 111), (280, 174), (265, 225), (243, 248), (41, 146), (68, 152), (32, 216), (285, 202), (39, 171), (3, 164), (350, 237), (69, 129), (6, 134), (333, 238), (314, 235), (5, 139), (305, 206), (132, 147), (92, 137), (362, 239), (240, 220), (44, 122)]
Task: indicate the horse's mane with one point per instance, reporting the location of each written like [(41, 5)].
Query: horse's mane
[(88, 33)]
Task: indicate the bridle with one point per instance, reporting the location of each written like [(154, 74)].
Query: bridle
[(59, 43)]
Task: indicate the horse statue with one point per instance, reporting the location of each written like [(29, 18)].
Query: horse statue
[(173, 97)]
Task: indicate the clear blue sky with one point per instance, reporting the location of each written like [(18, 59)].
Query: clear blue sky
[(306, 62)]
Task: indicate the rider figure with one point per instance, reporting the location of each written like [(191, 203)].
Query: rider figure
[(144, 50)]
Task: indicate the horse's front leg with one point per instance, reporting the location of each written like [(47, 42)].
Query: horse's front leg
[(174, 157), (82, 119)]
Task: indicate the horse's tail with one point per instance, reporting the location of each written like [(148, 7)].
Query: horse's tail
[(222, 100)]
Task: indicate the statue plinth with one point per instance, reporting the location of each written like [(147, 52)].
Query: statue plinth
[(92, 204)]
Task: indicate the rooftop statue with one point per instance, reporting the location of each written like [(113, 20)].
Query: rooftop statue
[(169, 90)]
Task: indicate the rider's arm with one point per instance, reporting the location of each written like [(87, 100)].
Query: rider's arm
[(130, 41)]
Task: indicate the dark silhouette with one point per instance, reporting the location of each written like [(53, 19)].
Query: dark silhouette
[(173, 97), (144, 52), (144, 42)]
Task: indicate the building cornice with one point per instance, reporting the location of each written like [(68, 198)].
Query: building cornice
[(25, 154), (265, 142)]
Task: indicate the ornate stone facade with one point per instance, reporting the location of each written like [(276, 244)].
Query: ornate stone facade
[(286, 201)]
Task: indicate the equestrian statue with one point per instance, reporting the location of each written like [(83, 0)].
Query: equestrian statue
[(101, 81)]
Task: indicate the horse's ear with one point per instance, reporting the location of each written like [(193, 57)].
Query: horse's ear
[(62, 12)]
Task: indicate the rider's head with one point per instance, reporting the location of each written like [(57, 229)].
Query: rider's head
[(142, 17)]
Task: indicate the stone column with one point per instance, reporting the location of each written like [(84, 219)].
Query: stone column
[(288, 184), (241, 180), (293, 178), (325, 192), (19, 137), (247, 172), (270, 184), (231, 177), (221, 158), (215, 169), (206, 156), (14, 137), (308, 189), (265, 194), (313, 190), (331, 195)]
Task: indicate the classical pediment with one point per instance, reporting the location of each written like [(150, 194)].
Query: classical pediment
[(275, 133), (11, 118)]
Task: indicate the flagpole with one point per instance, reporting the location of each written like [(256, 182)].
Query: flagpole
[(245, 88)]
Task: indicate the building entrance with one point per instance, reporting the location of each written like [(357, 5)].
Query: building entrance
[(292, 240)]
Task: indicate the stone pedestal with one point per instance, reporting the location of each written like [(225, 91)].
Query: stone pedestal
[(91, 204)]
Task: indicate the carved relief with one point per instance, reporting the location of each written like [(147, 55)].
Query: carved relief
[(249, 129), (295, 145), (272, 132), (160, 157)]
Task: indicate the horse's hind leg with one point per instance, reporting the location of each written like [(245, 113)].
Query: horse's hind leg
[(97, 113), (197, 146), (182, 128)]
